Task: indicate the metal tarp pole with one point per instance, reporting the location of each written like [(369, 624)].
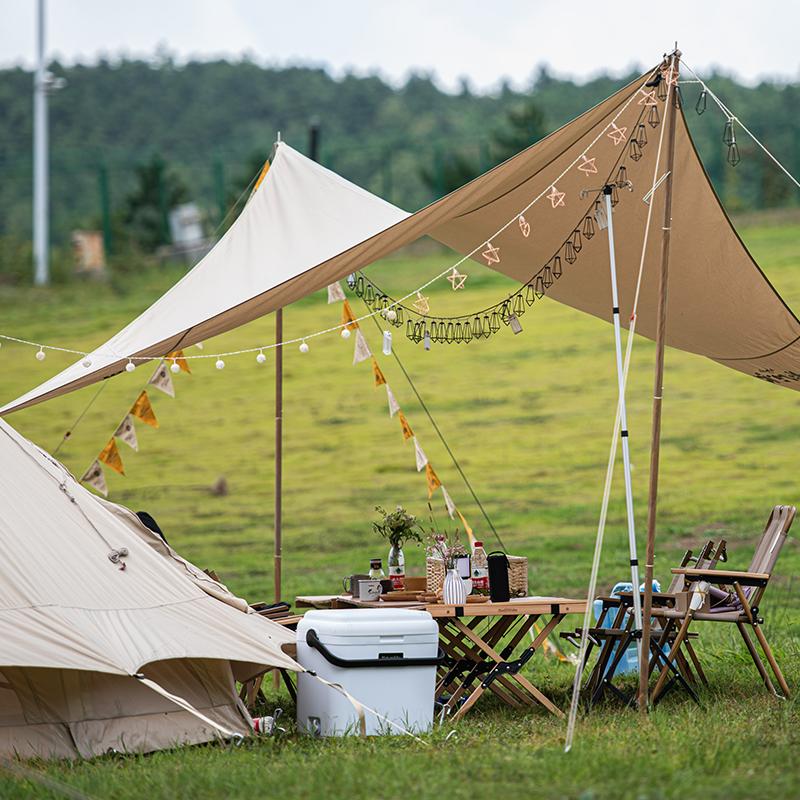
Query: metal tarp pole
[(623, 419), (670, 107)]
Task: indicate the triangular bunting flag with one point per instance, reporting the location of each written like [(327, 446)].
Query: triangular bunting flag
[(335, 293), (407, 432), (110, 455), (162, 380), (433, 480), (348, 317), (378, 373), (143, 410), (95, 478), (467, 528), (422, 459), (362, 351), (178, 358), (448, 503), (394, 406), (127, 432)]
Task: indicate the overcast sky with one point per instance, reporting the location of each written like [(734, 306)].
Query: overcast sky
[(485, 41)]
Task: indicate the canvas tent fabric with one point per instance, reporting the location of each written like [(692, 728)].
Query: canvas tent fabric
[(306, 227), (75, 628)]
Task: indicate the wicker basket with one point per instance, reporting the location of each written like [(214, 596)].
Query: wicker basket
[(517, 575)]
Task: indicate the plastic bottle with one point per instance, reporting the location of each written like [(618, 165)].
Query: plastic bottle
[(480, 569)]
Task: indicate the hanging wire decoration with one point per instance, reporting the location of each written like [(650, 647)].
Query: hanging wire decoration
[(420, 326), (702, 102), (729, 138)]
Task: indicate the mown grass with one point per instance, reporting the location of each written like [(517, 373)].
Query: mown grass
[(530, 418)]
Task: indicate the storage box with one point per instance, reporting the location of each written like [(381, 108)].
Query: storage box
[(385, 658)]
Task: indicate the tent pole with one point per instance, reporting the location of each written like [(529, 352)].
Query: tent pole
[(278, 450), (623, 420), (671, 107)]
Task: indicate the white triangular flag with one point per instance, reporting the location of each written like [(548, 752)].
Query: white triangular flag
[(449, 504), (127, 432), (362, 351), (335, 293), (162, 380), (95, 478), (394, 406), (422, 459)]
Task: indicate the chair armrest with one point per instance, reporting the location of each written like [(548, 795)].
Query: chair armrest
[(724, 576)]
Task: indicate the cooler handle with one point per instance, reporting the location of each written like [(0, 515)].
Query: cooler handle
[(313, 641)]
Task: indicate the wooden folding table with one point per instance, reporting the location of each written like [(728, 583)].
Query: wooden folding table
[(480, 641)]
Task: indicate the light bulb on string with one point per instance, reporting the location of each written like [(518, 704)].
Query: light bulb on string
[(391, 315), (261, 358), (175, 367), (87, 362), (304, 347), (41, 355), (130, 366), (220, 364), (345, 333)]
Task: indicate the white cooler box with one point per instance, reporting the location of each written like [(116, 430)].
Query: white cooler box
[(385, 658)]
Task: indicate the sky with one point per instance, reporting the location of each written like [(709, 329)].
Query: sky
[(484, 41)]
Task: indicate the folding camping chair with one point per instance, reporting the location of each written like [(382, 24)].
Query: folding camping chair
[(732, 597), (613, 641)]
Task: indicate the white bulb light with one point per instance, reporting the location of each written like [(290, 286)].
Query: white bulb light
[(261, 358), (40, 356), (345, 333), (391, 315), (175, 367), (87, 362), (130, 366), (304, 347), (220, 364)]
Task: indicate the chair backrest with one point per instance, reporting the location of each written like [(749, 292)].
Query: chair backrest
[(710, 554), (771, 542)]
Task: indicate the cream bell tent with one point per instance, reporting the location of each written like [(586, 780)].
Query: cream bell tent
[(110, 641)]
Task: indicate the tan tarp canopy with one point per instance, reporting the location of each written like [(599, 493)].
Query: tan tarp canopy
[(75, 628), (306, 227)]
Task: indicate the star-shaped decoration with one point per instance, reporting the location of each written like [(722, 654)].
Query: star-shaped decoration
[(456, 279), (556, 198), (648, 98), (524, 226), (669, 75), (491, 254), (421, 304), (587, 166), (617, 134)]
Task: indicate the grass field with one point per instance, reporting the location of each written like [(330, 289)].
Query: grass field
[(530, 418)]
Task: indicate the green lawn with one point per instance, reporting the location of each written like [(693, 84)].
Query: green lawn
[(530, 418)]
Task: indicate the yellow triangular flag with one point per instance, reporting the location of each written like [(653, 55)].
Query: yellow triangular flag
[(110, 456), (262, 175), (95, 478), (407, 432), (377, 372), (348, 317), (467, 528), (433, 480), (143, 410), (179, 358)]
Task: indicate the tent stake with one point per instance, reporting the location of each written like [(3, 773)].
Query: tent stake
[(623, 421), (658, 389)]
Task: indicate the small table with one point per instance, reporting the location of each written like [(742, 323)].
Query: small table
[(479, 640)]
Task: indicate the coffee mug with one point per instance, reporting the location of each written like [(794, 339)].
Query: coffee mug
[(369, 590), (350, 583)]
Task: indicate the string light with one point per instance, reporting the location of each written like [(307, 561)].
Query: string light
[(87, 362), (175, 367), (261, 358), (391, 314), (345, 333)]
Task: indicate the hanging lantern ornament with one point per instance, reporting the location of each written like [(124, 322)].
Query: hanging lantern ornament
[(588, 228), (524, 226), (728, 135), (130, 366), (261, 358), (641, 136), (303, 347), (734, 157), (345, 333), (652, 117), (557, 271), (391, 315), (351, 280), (702, 102), (634, 150), (220, 364), (174, 367), (41, 355)]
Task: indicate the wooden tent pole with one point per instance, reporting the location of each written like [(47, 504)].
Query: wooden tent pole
[(671, 108), (278, 451)]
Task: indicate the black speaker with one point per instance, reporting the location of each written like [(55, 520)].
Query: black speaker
[(498, 577)]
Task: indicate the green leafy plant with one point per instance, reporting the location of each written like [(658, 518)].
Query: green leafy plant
[(398, 527)]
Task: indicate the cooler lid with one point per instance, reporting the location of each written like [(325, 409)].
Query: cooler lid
[(355, 623)]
